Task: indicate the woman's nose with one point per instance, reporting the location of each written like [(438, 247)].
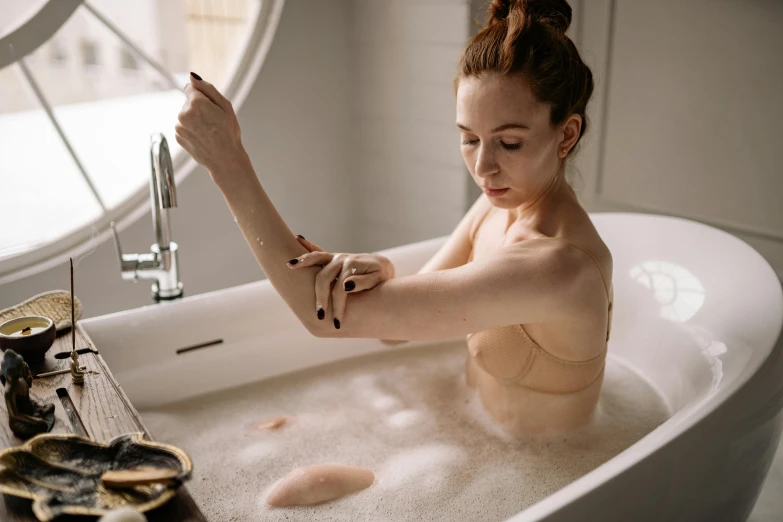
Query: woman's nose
[(486, 164)]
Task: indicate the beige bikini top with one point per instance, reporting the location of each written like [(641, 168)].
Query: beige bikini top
[(512, 357)]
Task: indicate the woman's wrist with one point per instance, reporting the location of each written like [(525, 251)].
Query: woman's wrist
[(236, 168)]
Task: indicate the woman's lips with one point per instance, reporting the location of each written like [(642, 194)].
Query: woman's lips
[(494, 192)]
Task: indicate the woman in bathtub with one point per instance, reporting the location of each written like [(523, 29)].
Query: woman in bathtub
[(524, 276)]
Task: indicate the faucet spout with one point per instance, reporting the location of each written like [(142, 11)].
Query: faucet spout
[(163, 193)]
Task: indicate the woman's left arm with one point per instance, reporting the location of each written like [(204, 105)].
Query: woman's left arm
[(209, 131)]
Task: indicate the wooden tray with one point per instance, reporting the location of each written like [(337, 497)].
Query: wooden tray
[(105, 412)]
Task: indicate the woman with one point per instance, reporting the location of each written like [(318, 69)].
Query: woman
[(525, 276)]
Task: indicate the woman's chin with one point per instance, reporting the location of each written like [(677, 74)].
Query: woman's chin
[(504, 202)]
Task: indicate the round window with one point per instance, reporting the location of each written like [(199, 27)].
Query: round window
[(85, 84)]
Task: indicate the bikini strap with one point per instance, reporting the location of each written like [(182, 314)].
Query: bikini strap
[(593, 257), (606, 287)]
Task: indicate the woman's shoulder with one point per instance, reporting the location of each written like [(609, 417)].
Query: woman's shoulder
[(586, 238), (577, 231), (576, 246), (588, 254)]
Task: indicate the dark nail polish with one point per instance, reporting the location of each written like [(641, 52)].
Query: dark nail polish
[(321, 313), (337, 323), (196, 76), (350, 285), (300, 236), (293, 261)]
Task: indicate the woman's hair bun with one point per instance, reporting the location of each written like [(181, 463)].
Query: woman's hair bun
[(527, 39), (555, 14)]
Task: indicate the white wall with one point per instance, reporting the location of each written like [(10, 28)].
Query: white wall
[(294, 123), (686, 113), (409, 178)]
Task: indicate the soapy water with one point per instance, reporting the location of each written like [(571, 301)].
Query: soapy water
[(409, 417)]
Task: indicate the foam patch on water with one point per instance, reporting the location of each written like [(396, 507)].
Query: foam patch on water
[(426, 467), (405, 418), (258, 452)]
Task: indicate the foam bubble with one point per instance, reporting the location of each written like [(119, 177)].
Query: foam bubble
[(258, 451), (385, 402), (405, 418)]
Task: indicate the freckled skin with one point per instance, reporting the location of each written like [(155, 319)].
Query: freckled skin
[(315, 484)]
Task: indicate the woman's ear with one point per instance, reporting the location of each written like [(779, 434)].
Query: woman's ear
[(571, 130)]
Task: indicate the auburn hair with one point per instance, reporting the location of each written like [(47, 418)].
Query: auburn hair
[(527, 38)]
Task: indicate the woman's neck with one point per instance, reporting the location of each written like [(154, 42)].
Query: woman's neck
[(540, 213)]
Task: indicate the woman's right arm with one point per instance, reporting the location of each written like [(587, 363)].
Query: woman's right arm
[(456, 250)]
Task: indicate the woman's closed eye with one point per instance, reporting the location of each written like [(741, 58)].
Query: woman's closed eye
[(507, 146)]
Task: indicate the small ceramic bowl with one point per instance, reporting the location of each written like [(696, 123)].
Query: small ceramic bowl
[(30, 336)]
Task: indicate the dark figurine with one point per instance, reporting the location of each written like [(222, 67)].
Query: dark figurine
[(25, 416)]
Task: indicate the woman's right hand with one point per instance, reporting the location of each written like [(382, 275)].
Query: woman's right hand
[(350, 273), (368, 284)]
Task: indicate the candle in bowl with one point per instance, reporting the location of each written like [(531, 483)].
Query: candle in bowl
[(30, 336)]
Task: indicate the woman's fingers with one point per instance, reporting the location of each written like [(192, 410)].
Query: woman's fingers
[(309, 245), (357, 282), (323, 283), (355, 277), (209, 90), (302, 241), (183, 141), (339, 295), (311, 259)]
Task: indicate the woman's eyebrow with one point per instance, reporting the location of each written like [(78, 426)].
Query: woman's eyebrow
[(498, 129)]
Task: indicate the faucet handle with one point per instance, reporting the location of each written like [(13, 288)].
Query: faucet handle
[(129, 262)]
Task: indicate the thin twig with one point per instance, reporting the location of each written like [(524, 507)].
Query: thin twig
[(73, 317)]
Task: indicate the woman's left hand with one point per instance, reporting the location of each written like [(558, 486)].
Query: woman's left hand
[(350, 273), (208, 129)]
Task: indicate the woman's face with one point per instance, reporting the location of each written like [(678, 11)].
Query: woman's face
[(507, 139)]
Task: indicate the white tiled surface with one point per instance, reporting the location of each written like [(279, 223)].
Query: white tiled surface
[(436, 21), (408, 171)]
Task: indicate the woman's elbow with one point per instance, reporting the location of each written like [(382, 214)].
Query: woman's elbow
[(323, 329), (315, 329)]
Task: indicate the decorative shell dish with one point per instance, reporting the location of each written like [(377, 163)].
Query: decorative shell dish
[(69, 474)]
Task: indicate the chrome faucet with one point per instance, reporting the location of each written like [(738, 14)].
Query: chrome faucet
[(161, 263)]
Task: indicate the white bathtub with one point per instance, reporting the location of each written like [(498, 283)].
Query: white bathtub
[(697, 311)]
